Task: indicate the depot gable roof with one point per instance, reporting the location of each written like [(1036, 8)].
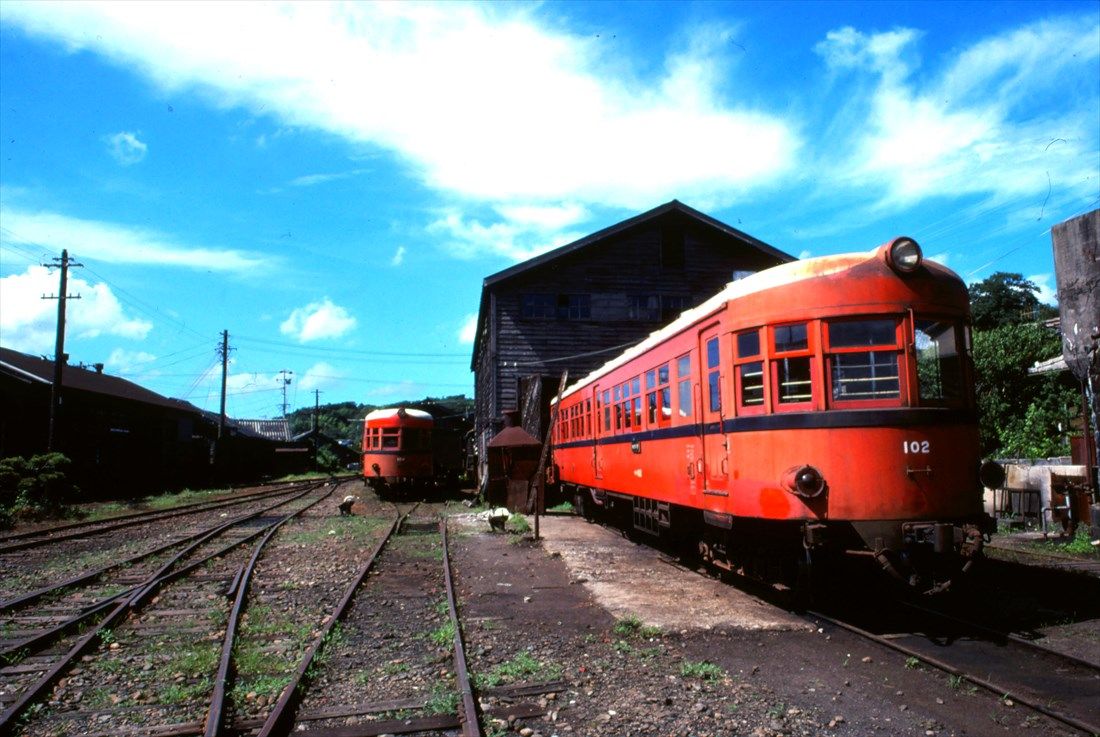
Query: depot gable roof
[(673, 206)]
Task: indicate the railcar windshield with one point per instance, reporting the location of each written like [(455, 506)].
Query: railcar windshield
[(864, 360), (939, 365)]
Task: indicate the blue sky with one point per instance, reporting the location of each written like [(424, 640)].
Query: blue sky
[(330, 183)]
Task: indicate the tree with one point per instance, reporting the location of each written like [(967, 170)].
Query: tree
[(1006, 299), (1020, 414)]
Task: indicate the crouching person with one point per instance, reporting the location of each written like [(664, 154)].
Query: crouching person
[(346, 505)]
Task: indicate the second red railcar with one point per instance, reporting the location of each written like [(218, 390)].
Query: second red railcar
[(397, 450)]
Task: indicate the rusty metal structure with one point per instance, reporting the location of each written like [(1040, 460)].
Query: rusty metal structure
[(1076, 245)]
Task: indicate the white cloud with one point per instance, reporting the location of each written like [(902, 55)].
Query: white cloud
[(468, 331), (318, 320), (311, 180), (518, 241), (469, 95), (118, 243), (321, 376), (545, 217), (398, 256), (122, 361), (1048, 292), (978, 126), (126, 148), (29, 323)]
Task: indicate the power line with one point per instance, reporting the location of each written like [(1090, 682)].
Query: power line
[(349, 351)]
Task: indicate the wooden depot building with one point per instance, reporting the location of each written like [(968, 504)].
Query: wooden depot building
[(582, 304)]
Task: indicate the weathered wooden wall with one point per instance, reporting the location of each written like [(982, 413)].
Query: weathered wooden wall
[(611, 272)]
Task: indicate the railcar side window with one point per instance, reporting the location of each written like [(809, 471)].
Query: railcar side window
[(749, 375), (939, 369), (748, 344), (606, 410), (714, 390), (793, 383), (794, 380), (588, 417), (752, 384), (790, 338), (683, 385), (658, 396), (860, 374)]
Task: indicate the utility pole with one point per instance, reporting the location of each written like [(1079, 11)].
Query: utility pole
[(316, 407), (223, 351), (284, 376), (53, 439)]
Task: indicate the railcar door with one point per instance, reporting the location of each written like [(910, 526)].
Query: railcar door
[(599, 427), (714, 443)]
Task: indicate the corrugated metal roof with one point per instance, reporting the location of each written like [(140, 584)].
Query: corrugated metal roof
[(269, 429), (40, 371)]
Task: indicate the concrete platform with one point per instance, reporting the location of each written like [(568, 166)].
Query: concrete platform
[(630, 579)]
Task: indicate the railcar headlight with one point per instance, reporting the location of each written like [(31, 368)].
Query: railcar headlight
[(804, 480), (992, 475), (904, 255)]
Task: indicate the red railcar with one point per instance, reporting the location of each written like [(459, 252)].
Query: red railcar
[(821, 406), (397, 449)]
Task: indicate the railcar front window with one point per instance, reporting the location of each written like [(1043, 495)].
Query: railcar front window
[(389, 437), (939, 368), (864, 374)]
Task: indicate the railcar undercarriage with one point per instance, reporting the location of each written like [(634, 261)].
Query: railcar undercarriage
[(926, 556)]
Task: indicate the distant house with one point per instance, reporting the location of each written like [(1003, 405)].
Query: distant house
[(579, 305)]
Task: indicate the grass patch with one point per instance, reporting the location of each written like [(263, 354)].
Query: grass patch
[(180, 693), (444, 634), (517, 523), (268, 685), (632, 626), (344, 529), (704, 670), (522, 667), (443, 700), (564, 507)]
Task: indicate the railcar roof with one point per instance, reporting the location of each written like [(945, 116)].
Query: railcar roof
[(381, 414), (776, 276)]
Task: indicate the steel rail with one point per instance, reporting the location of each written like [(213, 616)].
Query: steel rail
[(137, 519), (1000, 691), (30, 596), (127, 515), (471, 727), (215, 713), (280, 719), (133, 602), (1022, 641)]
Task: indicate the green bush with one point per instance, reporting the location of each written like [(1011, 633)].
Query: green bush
[(33, 488)]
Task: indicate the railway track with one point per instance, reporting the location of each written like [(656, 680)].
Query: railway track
[(87, 554), (1060, 686), (213, 603), (1016, 669), (88, 636), (79, 530)]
